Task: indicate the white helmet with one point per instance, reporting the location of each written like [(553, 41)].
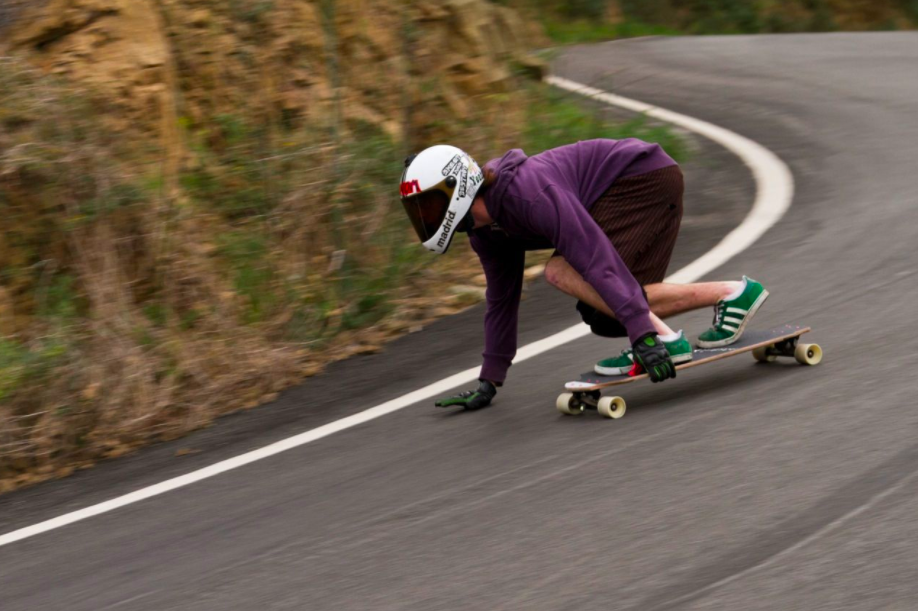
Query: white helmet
[(438, 187)]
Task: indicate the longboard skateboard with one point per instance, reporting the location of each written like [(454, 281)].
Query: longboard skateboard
[(765, 346)]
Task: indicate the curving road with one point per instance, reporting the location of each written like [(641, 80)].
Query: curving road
[(736, 487)]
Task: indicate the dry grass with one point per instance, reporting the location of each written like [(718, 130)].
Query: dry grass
[(102, 276), (130, 315), (189, 247)]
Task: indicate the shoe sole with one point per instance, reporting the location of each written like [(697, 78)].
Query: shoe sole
[(611, 371), (739, 332), (617, 371)]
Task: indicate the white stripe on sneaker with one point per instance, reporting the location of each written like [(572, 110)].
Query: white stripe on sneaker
[(728, 327), (732, 310), (732, 319)]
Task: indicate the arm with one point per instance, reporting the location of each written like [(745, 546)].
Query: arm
[(503, 266), (558, 215)]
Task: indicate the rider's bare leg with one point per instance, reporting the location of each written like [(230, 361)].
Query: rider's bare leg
[(665, 300)]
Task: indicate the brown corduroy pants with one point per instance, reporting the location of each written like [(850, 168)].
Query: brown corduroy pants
[(641, 216)]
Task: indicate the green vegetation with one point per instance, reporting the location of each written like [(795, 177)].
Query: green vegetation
[(594, 20), (556, 118), (21, 365), (579, 31)]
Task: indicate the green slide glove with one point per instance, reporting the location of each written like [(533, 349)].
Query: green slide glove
[(471, 399), (651, 354)]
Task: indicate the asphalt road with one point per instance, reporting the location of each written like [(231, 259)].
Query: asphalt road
[(737, 486)]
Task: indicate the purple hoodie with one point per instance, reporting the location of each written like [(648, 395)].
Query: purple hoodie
[(543, 202)]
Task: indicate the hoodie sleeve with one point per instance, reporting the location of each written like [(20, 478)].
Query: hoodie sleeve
[(503, 266), (558, 215)]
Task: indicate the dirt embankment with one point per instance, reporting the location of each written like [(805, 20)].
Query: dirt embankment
[(197, 200)]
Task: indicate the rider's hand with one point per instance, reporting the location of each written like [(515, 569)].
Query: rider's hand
[(651, 354), (472, 399)]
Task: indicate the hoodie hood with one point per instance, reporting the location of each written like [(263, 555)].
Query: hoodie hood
[(505, 169)]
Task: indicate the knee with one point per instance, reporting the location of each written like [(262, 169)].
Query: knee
[(599, 323)]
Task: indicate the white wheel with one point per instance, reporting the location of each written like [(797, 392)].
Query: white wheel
[(761, 355), (564, 403), (808, 354), (611, 407)]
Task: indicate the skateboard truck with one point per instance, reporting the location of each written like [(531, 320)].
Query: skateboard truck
[(805, 354), (575, 403)]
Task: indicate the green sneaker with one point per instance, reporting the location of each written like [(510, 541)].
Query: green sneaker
[(617, 365), (731, 317), (680, 351)]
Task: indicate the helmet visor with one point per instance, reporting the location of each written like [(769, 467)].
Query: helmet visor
[(427, 211)]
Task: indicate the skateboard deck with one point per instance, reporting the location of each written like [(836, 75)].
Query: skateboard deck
[(765, 346)]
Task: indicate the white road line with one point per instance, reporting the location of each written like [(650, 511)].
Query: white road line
[(774, 185), (774, 182)]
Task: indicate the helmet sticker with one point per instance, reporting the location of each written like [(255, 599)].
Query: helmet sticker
[(464, 181), (447, 225), (452, 166), (476, 178), (410, 187)]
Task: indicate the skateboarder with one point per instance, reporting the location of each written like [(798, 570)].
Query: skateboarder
[(611, 209)]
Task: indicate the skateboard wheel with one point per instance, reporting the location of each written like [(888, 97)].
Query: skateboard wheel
[(808, 354), (566, 404), (611, 407), (761, 354)]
